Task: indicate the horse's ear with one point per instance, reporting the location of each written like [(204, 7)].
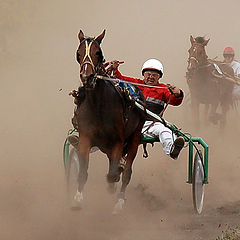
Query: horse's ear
[(100, 37), (80, 35), (192, 40), (206, 42)]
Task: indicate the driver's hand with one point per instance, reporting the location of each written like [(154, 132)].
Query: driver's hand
[(113, 65), (174, 90), (116, 63)]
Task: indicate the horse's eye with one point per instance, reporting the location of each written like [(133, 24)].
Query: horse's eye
[(99, 54)]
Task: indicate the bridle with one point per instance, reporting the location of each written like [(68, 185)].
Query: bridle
[(193, 58), (87, 54), (198, 63), (87, 60)]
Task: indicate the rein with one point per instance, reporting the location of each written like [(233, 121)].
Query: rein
[(119, 80), (193, 59)]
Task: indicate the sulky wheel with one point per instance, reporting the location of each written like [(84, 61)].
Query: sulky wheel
[(72, 173), (198, 183)]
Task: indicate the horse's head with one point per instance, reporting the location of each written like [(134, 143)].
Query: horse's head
[(197, 53), (90, 58)]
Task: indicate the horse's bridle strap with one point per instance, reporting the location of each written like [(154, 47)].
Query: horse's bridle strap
[(193, 58), (87, 54)]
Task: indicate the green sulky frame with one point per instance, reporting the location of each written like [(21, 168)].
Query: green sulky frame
[(66, 149), (191, 144)]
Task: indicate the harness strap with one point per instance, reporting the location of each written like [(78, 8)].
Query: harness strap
[(170, 98), (119, 91), (149, 126)]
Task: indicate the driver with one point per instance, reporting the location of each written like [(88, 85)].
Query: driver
[(228, 54), (156, 98)]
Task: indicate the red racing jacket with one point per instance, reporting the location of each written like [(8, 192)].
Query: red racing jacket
[(155, 97)]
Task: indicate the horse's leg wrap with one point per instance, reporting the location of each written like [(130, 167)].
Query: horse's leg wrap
[(77, 200), (118, 206), (122, 164), (121, 195), (78, 196), (120, 203)]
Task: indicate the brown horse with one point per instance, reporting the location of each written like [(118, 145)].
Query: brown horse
[(104, 119), (207, 84)]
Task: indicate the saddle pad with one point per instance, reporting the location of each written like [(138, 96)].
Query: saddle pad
[(133, 91)]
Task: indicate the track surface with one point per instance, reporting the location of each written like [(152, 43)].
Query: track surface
[(38, 69)]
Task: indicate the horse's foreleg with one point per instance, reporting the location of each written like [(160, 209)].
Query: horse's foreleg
[(83, 156), (114, 158), (126, 177), (213, 116), (127, 173), (83, 170), (223, 118)]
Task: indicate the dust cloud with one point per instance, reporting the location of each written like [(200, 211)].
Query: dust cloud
[(38, 69)]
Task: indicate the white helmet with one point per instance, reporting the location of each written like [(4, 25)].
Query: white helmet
[(153, 64)]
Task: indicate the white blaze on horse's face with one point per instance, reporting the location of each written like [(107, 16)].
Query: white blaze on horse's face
[(192, 60), (90, 58), (197, 53), (87, 67), (197, 56)]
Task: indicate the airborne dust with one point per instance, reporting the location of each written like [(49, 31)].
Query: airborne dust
[(38, 69)]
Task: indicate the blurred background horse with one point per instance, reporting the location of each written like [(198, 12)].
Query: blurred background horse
[(207, 84)]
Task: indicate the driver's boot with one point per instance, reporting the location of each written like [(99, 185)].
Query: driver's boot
[(177, 147)]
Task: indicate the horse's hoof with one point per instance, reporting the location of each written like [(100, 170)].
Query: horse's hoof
[(118, 206), (75, 205), (112, 188), (113, 178), (77, 202)]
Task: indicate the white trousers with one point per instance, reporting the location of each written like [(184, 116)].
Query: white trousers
[(165, 135)]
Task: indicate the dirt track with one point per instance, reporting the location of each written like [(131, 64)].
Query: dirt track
[(39, 70)]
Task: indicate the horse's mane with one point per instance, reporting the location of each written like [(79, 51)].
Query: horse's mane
[(200, 40)]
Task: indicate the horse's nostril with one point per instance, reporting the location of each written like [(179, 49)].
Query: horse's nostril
[(83, 76), (86, 76), (91, 76)]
